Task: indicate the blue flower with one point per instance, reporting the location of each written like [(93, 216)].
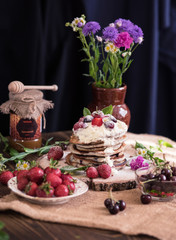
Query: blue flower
[(110, 33), (91, 27)]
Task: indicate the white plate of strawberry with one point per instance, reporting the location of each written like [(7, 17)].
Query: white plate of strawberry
[(48, 186)]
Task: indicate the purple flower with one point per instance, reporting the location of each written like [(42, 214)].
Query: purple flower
[(123, 25), (110, 33), (91, 27), (136, 33), (138, 163), (123, 40)]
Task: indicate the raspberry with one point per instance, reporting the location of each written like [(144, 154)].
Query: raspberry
[(104, 170), (92, 172), (78, 125), (55, 153), (97, 122)]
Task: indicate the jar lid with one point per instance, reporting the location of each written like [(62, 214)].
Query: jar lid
[(28, 104)]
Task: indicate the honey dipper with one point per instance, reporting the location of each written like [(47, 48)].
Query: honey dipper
[(18, 87)]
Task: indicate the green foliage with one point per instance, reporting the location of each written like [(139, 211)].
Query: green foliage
[(108, 110), (164, 143), (3, 235), (86, 112), (15, 155), (106, 73)]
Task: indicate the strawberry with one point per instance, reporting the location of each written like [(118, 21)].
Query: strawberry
[(55, 153), (97, 122), (56, 171), (67, 177), (21, 183), (15, 173), (92, 172), (22, 174), (30, 189), (70, 185), (5, 176), (61, 191), (36, 174), (53, 179), (47, 170), (104, 170), (45, 190)]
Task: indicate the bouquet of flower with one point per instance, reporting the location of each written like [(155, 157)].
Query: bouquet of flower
[(108, 55)]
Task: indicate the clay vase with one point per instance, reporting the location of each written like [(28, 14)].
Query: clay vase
[(103, 97)]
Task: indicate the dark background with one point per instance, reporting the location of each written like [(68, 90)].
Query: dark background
[(37, 48)]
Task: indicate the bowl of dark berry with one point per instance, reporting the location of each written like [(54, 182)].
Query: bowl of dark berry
[(156, 184)]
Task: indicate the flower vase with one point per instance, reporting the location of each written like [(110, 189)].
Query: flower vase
[(103, 97)]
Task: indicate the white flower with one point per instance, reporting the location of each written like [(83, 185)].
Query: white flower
[(22, 165), (129, 53), (119, 23), (99, 38), (141, 151), (76, 22), (112, 25), (140, 40), (82, 21), (124, 54), (110, 47)]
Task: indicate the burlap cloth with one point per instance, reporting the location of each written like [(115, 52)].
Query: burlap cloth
[(156, 219)]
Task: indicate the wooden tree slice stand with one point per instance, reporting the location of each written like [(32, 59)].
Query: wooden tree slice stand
[(125, 178)]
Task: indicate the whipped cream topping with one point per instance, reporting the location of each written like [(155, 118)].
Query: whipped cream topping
[(93, 133)]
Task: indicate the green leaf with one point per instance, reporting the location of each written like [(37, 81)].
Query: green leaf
[(139, 145), (4, 236), (1, 225), (72, 169), (13, 152), (49, 140), (86, 112), (5, 141), (164, 143), (108, 110)]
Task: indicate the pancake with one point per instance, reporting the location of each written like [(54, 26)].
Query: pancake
[(78, 162), (106, 152)]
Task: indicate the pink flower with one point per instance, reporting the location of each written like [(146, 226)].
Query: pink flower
[(123, 40)]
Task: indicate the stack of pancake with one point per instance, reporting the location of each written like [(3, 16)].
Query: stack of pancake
[(107, 149)]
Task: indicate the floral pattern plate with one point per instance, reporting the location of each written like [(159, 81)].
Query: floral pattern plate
[(80, 188)]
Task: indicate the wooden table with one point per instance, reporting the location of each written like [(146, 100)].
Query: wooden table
[(21, 227)]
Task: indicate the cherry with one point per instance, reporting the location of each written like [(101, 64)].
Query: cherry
[(112, 118), (113, 209), (146, 198), (109, 124), (162, 178), (108, 202), (173, 178), (151, 176), (121, 204), (98, 114), (165, 171)]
